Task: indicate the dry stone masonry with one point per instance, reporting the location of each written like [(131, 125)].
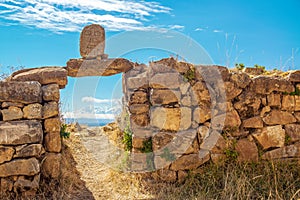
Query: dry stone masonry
[(180, 115)]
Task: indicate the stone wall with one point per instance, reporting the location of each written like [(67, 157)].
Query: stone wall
[(30, 142)]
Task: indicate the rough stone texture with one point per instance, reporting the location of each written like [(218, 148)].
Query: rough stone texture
[(191, 161), (271, 136), (214, 143), (247, 151), (202, 114), (92, 41), (294, 76), (293, 131), (50, 92), (292, 151), (6, 154), (138, 81), (50, 109), (254, 71), (139, 108), (182, 175), (274, 100), (52, 125), (51, 167), (43, 75), (161, 140), (163, 97), (211, 73), (140, 120), (266, 85), (279, 117), (6, 185), (165, 81), (230, 120), (297, 116), (203, 132), (254, 122), (53, 141), (33, 111), (14, 104), (26, 167), (166, 118), (185, 118), (138, 97), (20, 132), (242, 80), (231, 90), (96, 67), (201, 93), (12, 113), (297, 103), (32, 150), (21, 92), (288, 103), (23, 184), (248, 104)]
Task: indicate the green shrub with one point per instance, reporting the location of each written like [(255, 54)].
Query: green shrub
[(127, 138), (189, 75), (63, 131), (239, 66)]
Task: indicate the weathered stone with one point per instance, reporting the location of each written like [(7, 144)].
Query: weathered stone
[(6, 185), (21, 92), (294, 76), (43, 75), (193, 148), (182, 175), (167, 81), (254, 71), (279, 117), (254, 122), (50, 92), (231, 90), (271, 136), (202, 114), (211, 73), (201, 93), (26, 167), (163, 97), (214, 143), (138, 97), (92, 41), (12, 113), (52, 125), (53, 142), (274, 100), (23, 184), (265, 110), (224, 107), (229, 120), (141, 162), (51, 166), (161, 140), (293, 131), (203, 132), (33, 111), (165, 175), (14, 104), (184, 87), (242, 80), (140, 119), (186, 101), (96, 67), (138, 81), (288, 103), (292, 151), (185, 118), (188, 162), (158, 67), (32, 150), (50, 109), (139, 108), (248, 104), (166, 118), (20, 132), (297, 103), (266, 85), (6, 154), (247, 151)]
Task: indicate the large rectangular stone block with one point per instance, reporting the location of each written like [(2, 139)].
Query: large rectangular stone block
[(26, 167)]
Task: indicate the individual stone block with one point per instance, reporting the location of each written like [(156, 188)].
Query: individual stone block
[(242, 80), (140, 119), (20, 132), (50, 109), (188, 162), (139, 108), (51, 92), (231, 90), (274, 100), (266, 85), (229, 120), (247, 151), (215, 143), (293, 131), (297, 103), (254, 122), (294, 76), (33, 111), (92, 41), (271, 136), (202, 114), (161, 140), (163, 97), (166, 118), (288, 103), (248, 104), (185, 118), (291, 151), (12, 113), (43, 75), (32, 150), (96, 67), (138, 97), (297, 116), (138, 81), (21, 92), (14, 104), (24, 184), (52, 125), (51, 167), (53, 142), (254, 71), (26, 167), (6, 185), (6, 154), (200, 93), (165, 81), (279, 117)]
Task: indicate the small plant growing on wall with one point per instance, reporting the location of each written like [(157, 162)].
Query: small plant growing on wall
[(260, 67), (127, 135), (63, 131), (190, 75), (239, 66)]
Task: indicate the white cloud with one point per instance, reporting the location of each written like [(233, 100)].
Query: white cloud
[(217, 31), (199, 29), (72, 15), (95, 100), (78, 115), (178, 27)]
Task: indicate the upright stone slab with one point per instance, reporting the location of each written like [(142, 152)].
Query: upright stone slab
[(92, 41)]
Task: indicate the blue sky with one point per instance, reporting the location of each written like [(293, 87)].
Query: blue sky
[(37, 33)]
